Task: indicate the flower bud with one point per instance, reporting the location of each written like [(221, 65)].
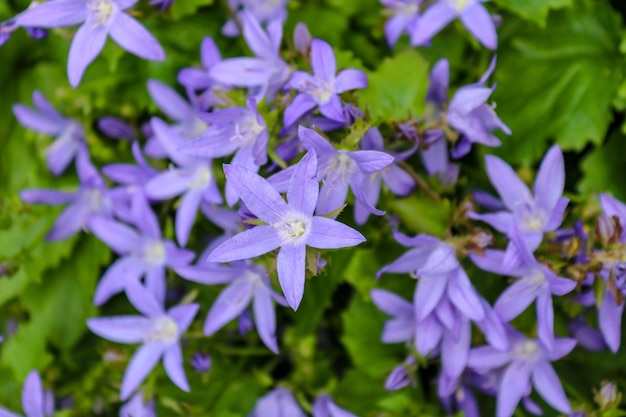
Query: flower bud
[(606, 230), (302, 38), (115, 128), (608, 397), (398, 378), (201, 362)]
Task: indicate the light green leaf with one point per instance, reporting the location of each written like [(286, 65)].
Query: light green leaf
[(533, 10), (603, 169), (559, 82), (397, 89), (180, 9), (423, 215)]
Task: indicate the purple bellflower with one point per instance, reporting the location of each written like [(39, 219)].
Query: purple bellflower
[(132, 179), (472, 14), (91, 200), (136, 407), (290, 226), (143, 252), (404, 18), (193, 178), (610, 312), (535, 282), (247, 284), (302, 38), (99, 19), (234, 129), (322, 87), (36, 402), (69, 134), (188, 124), (159, 331), (201, 362), (198, 79), (325, 407), (264, 11), (341, 169), (265, 74), (401, 327), (525, 365), (115, 128), (534, 213), (399, 376), (395, 178), (279, 402)]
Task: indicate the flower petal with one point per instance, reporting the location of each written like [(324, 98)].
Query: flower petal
[(265, 318), (323, 60), (300, 105), (303, 188), (173, 364), (550, 180), (516, 298), (121, 329), (54, 14), (249, 244), (87, 44), (330, 234), (610, 321), (119, 237), (169, 101), (38, 121), (513, 386), (231, 302), (371, 161), (132, 36), (350, 79), (32, 395), (242, 72), (291, 266), (186, 214), (511, 189), (435, 18), (116, 278), (547, 384), (140, 365), (391, 303), (478, 21)]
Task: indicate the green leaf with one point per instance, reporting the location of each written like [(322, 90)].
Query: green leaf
[(533, 10), (180, 9), (397, 89), (559, 82), (26, 349), (423, 215), (603, 169), (361, 270), (363, 324)]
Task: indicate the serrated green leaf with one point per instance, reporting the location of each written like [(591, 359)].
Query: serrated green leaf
[(559, 82), (397, 89), (533, 10)]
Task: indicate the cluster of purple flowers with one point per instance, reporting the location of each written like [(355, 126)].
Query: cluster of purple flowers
[(267, 236)]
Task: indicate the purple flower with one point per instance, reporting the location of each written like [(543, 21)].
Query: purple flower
[(536, 282), (91, 200), (322, 88), (246, 284), (325, 407), (265, 74), (142, 253), (534, 213), (525, 365), (401, 328), (201, 362), (399, 376), (586, 336), (405, 17), (193, 178), (188, 124), (470, 115), (161, 4), (198, 79), (264, 11), (101, 18), (69, 134), (136, 407), (472, 14), (240, 129), (159, 331), (290, 226), (341, 169), (115, 128), (277, 403), (35, 401), (395, 178), (302, 38)]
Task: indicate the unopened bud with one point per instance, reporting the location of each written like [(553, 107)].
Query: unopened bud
[(608, 397), (398, 378), (115, 128), (606, 230), (302, 38)]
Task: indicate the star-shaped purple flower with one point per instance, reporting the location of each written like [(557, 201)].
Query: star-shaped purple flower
[(99, 18), (322, 87), (159, 331), (69, 134), (289, 226), (405, 17), (472, 14)]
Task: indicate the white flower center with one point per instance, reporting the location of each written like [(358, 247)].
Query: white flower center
[(536, 278), (526, 350), (196, 129), (247, 130), (340, 169), (533, 223), (101, 11), (201, 177), (95, 199), (154, 253), (164, 329), (460, 5), (408, 9), (294, 228)]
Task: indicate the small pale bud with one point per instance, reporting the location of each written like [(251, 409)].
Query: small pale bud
[(398, 378), (302, 38), (606, 230), (608, 397)]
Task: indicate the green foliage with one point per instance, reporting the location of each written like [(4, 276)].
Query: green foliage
[(603, 168), (558, 83), (534, 10), (397, 88)]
